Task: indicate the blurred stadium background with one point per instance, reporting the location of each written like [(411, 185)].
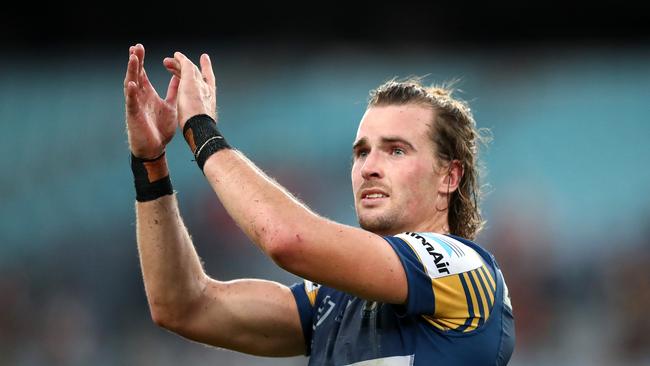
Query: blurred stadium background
[(565, 91)]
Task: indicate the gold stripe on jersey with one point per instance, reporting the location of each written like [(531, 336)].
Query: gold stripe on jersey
[(481, 294), (450, 300), (311, 289), (312, 296), (442, 325), (487, 287), (475, 307), (487, 273), (454, 309)]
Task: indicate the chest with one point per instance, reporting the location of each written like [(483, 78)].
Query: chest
[(346, 328)]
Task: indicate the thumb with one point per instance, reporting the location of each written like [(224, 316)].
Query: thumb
[(206, 69), (172, 65), (172, 90)]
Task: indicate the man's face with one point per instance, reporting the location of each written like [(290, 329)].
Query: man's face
[(393, 173)]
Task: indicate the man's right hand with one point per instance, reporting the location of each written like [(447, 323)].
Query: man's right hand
[(198, 90), (150, 120)]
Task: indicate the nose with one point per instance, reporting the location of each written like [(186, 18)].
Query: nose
[(372, 167)]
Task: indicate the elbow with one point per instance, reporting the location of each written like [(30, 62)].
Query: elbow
[(160, 317), (286, 249), (175, 313), (167, 317)]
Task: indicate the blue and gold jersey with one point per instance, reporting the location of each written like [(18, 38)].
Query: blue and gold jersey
[(457, 311)]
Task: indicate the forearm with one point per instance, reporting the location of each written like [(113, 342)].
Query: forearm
[(171, 268), (300, 241), (252, 316)]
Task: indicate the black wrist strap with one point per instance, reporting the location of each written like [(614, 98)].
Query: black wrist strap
[(151, 178), (203, 137)]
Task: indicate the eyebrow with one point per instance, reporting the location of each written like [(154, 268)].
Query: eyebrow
[(384, 140)]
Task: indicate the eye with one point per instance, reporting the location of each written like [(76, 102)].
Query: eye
[(362, 153), (398, 151)]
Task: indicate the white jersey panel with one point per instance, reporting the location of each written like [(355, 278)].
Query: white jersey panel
[(442, 255), (387, 361)]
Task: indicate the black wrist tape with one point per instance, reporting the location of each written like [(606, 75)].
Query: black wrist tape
[(151, 177), (204, 138)]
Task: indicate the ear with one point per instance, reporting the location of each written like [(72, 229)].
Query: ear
[(451, 176)]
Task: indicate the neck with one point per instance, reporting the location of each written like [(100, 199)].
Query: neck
[(437, 224)]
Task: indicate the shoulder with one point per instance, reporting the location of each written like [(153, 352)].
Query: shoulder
[(439, 254)]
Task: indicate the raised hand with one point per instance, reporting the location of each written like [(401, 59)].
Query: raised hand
[(197, 90), (150, 120)]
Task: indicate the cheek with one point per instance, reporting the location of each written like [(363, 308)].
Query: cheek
[(419, 187), (413, 198), (354, 170)]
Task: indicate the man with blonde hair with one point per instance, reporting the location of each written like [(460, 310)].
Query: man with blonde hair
[(407, 288)]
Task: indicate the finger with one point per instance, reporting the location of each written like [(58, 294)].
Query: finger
[(206, 69), (173, 66), (139, 51), (187, 67), (172, 90), (180, 58), (131, 93), (131, 71)]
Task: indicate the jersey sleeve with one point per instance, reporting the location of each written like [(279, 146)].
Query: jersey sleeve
[(305, 295), (449, 284)]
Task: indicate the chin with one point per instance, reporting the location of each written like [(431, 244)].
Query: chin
[(379, 225)]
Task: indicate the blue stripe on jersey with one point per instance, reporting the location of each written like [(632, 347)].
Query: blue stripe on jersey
[(485, 291), (479, 299), (470, 305), (456, 248), (482, 269), (442, 243)]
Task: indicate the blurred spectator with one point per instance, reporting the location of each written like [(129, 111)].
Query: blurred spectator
[(520, 237), (628, 302)]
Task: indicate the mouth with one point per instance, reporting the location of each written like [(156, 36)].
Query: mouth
[(372, 197)]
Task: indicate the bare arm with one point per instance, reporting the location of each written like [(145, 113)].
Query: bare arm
[(251, 316), (340, 256), (258, 317)]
